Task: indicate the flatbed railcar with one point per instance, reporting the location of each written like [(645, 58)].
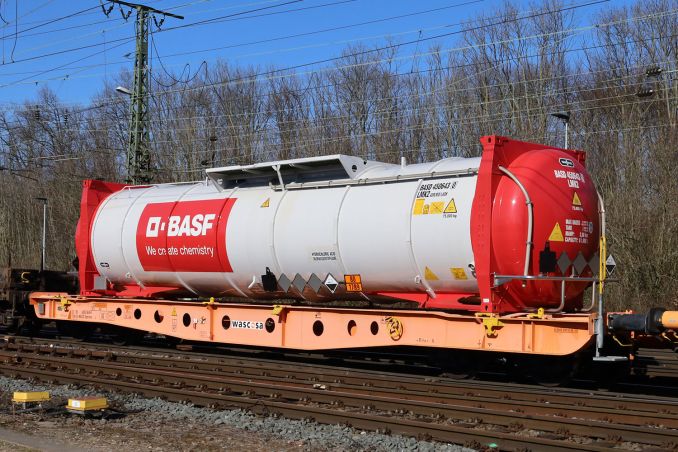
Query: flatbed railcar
[(489, 256)]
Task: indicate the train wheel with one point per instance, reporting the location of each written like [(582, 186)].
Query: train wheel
[(459, 365), (610, 375), (77, 330), (125, 336), (31, 327), (548, 371), (12, 328), (172, 341)]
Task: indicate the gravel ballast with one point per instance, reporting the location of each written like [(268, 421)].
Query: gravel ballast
[(155, 424)]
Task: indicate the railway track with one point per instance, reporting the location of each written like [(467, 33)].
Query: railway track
[(653, 363), (479, 414), (654, 370)]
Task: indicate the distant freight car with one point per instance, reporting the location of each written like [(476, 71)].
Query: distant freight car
[(16, 284)]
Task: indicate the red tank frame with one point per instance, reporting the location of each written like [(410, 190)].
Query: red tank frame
[(94, 192)]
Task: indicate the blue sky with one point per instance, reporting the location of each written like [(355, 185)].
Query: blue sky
[(105, 43)]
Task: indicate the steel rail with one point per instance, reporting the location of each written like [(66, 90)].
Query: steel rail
[(278, 389), (421, 429), (266, 406), (469, 391), (421, 405), (527, 401)]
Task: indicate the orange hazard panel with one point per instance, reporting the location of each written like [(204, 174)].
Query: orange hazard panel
[(353, 283)]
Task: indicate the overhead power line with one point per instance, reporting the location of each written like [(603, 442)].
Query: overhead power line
[(421, 93), (365, 63), (279, 38), (484, 118), (51, 21), (250, 78), (272, 74), (75, 49), (524, 112), (288, 71), (426, 109), (173, 8)]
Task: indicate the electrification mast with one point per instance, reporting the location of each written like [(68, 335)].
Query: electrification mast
[(138, 155)]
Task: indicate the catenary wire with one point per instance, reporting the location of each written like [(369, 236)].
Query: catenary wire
[(430, 92), (249, 77)]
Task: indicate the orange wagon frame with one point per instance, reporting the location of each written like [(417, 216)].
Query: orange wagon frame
[(312, 328)]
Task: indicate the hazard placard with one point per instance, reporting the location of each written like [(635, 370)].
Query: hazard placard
[(451, 207), (436, 207), (266, 203), (575, 200), (429, 275), (458, 273), (353, 283), (610, 265), (331, 283), (556, 234), (418, 206)]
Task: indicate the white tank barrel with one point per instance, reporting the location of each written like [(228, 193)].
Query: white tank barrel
[(302, 220)]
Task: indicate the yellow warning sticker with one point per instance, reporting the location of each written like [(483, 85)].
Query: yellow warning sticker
[(459, 273), (436, 207), (266, 203), (575, 200), (451, 207), (174, 312), (429, 275), (426, 209), (556, 234), (418, 206)]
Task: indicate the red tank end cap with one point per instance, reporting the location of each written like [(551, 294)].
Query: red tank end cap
[(93, 194), (565, 212)]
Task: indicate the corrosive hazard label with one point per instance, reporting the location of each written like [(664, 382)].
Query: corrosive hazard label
[(353, 283)]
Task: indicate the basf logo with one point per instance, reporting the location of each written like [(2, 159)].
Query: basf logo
[(185, 236)]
